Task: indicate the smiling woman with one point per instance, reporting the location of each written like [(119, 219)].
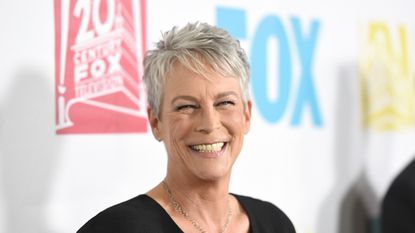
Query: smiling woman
[(196, 115), (199, 106)]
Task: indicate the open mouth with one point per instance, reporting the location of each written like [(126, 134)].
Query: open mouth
[(206, 148)]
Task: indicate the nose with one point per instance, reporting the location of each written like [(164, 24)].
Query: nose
[(209, 120)]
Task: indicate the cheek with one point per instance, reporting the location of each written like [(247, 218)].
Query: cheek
[(178, 127), (234, 121)]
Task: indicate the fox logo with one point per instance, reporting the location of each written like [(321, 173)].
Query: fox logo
[(99, 49)]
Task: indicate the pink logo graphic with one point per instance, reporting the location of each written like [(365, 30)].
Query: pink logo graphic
[(98, 53)]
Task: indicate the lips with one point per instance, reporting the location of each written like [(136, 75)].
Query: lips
[(208, 148)]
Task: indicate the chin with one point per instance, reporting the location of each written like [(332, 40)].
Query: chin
[(213, 174)]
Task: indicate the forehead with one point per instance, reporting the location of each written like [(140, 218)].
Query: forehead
[(182, 80)]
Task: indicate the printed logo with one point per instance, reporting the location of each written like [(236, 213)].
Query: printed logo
[(387, 84), (98, 53), (273, 63)]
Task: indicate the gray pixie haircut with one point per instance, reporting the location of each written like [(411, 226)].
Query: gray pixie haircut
[(199, 47)]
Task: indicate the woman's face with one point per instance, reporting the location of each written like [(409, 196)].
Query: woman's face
[(202, 123)]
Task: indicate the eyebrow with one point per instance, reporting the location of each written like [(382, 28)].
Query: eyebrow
[(191, 98), (226, 93)]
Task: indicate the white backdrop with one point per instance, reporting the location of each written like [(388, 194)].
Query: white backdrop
[(328, 177)]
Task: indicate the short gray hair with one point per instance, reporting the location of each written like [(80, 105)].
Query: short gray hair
[(193, 46)]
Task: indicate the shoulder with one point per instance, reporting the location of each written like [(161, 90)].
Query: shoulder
[(403, 185), (407, 174), (397, 206), (265, 216), (139, 213)]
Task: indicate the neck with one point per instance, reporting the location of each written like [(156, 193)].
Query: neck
[(204, 195), (186, 184)]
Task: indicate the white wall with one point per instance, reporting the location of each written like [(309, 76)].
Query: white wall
[(317, 174)]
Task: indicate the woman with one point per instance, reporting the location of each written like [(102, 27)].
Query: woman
[(199, 106)]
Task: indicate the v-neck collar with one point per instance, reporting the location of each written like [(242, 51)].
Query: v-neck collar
[(173, 223)]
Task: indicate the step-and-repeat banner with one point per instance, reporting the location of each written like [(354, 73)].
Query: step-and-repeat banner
[(333, 106)]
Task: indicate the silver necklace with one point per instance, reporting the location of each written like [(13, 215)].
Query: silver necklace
[(178, 207)]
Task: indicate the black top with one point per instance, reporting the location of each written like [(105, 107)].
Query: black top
[(398, 207), (144, 215)]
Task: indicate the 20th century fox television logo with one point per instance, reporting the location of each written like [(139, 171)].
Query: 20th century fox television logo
[(98, 55)]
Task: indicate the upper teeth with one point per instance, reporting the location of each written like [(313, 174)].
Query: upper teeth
[(215, 147)]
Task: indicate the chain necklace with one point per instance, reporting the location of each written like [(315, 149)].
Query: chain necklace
[(178, 207)]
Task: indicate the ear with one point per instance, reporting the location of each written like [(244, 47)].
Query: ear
[(154, 124), (248, 112)]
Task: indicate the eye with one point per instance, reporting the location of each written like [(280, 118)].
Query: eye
[(186, 108), (226, 103)]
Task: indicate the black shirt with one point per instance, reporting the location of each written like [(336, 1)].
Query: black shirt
[(144, 215)]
